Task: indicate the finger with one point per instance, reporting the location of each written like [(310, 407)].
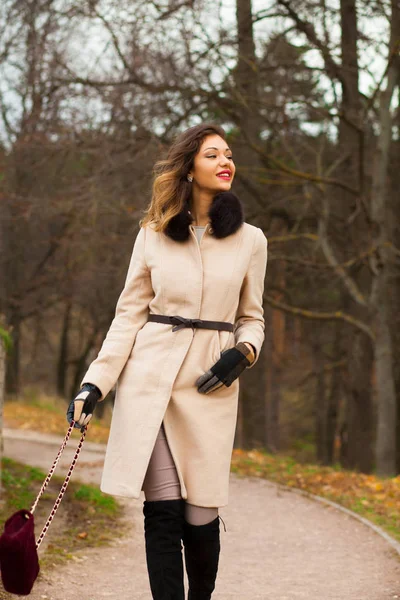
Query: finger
[(203, 378), (215, 387), (84, 418), (203, 384), (78, 406), (87, 419), (208, 385)]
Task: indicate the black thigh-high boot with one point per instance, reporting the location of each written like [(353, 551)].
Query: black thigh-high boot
[(163, 530), (202, 548)]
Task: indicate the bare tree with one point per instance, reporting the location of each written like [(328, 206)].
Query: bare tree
[(5, 343)]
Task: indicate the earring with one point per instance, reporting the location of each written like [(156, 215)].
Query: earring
[(190, 178)]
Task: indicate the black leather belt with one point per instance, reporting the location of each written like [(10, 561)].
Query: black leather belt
[(181, 322)]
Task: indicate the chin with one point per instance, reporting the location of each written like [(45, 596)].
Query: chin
[(224, 186)]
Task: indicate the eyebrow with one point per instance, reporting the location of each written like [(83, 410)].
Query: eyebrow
[(214, 148)]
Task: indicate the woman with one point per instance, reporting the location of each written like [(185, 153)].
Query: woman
[(188, 321)]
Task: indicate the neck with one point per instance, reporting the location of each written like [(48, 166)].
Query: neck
[(200, 203)]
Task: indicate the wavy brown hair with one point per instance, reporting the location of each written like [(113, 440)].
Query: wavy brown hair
[(171, 189)]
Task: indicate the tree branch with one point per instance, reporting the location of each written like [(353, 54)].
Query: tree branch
[(394, 53), (278, 239), (114, 39), (348, 282), (321, 316), (308, 29), (302, 174)]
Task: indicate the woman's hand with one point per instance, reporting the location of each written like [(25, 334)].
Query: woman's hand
[(231, 364), (81, 408)]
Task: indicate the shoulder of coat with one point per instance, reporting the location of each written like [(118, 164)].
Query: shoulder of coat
[(255, 237), (149, 227), (252, 230)]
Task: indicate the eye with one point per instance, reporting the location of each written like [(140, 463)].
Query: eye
[(214, 156)]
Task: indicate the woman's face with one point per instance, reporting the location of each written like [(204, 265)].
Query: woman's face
[(213, 166)]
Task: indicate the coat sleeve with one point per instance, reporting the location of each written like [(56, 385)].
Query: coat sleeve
[(249, 319), (131, 314)]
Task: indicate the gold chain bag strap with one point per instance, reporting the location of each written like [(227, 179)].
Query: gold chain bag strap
[(19, 562)]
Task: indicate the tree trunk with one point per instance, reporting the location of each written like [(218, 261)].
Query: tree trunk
[(320, 397), (394, 216), (239, 436), (246, 102), (2, 382), (272, 388), (64, 352), (276, 334), (13, 372), (383, 267), (387, 404), (81, 364), (360, 359), (360, 414), (246, 72), (332, 419)]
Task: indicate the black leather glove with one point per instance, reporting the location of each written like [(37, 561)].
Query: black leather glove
[(231, 364), (81, 408)]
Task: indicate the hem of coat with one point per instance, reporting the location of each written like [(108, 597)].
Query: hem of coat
[(123, 492), (134, 495)]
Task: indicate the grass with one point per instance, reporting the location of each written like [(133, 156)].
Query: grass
[(86, 517), (45, 413)]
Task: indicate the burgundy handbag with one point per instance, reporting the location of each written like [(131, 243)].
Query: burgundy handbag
[(19, 562)]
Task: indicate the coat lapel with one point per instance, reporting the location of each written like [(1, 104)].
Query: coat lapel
[(226, 216)]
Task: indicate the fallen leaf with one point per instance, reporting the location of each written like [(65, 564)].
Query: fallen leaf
[(82, 535)]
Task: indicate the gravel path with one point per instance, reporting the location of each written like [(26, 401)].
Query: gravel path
[(278, 545)]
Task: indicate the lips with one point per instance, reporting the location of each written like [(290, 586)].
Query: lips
[(224, 174)]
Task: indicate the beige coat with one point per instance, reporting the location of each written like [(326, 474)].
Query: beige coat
[(154, 369)]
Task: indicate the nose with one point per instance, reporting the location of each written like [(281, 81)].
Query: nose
[(224, 161)]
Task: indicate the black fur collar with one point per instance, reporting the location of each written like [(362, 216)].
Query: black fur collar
[(226, 216)]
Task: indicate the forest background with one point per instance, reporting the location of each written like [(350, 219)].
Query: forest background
[(91, 95)]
